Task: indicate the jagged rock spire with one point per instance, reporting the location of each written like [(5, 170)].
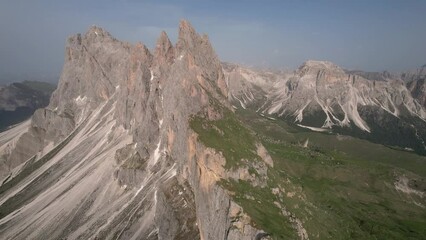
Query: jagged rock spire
[(188, 37), (164, 51), (186, 30), (142, 54)]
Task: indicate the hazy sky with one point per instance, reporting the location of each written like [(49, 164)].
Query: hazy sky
[(372, 35)]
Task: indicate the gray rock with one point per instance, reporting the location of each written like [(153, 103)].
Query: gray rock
[(124, 164), (416, 83)]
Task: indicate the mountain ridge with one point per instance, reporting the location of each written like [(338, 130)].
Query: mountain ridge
[(320, 95), (135, 144), (119, 124)]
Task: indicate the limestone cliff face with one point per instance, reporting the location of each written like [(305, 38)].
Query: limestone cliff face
[(113, 157)]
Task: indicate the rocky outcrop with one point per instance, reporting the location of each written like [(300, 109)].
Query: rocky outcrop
[(122, 164)]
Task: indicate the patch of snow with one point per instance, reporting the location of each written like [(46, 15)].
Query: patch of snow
[(80, 100), (313, 128), (152, 75), (157, 153), (155, 196)]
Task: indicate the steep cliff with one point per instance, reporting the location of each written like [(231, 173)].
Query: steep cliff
[(113, 156)]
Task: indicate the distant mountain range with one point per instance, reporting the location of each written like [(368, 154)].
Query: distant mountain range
[(321, 96), (18, 101)]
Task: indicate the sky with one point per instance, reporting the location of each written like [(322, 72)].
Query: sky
[(373, 35)]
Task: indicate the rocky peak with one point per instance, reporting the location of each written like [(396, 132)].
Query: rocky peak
[(94, 65), (164, 51), (142, 54), (187, 34), (97, 33), (190, 40), (322, 71), (196, 53), (320, 65)]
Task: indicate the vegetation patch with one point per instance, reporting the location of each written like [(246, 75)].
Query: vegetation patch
[(258, 203), (339, 187), (228, 136)]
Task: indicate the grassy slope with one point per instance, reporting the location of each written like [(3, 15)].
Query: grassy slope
[(341, 188), (228, 136)]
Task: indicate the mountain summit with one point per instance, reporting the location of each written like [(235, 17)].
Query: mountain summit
[(112, 155)]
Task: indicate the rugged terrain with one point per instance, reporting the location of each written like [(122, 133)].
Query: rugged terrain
[(416, 83), (18, 101), (175, 145), (321, 96), (112, 155)]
